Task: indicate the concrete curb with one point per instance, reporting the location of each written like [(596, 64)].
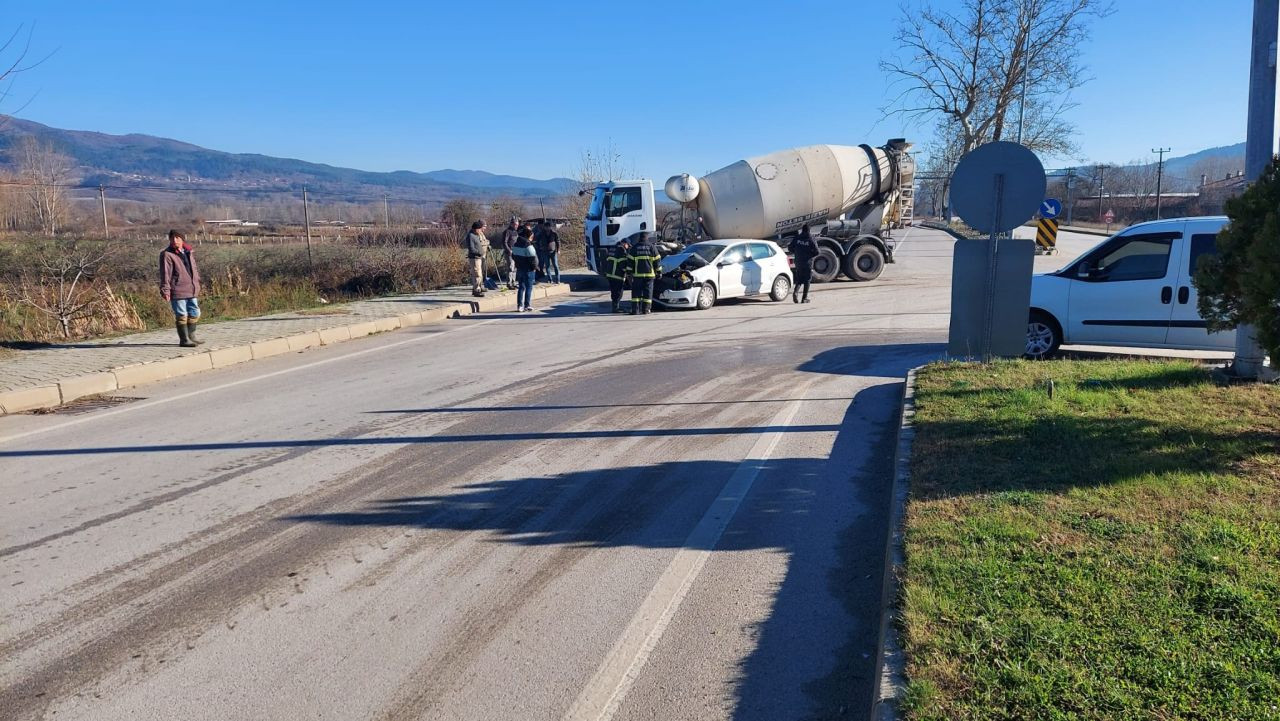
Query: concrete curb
[(69, 389), (892, 673)]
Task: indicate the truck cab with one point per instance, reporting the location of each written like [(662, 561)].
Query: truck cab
[(619, 209)]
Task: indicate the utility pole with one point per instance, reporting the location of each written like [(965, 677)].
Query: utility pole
[(102, 197), (1260, 143), (1159, 175), (1022, 105), (386, 216), (1071, 175), (1102, 170), (306, 218)]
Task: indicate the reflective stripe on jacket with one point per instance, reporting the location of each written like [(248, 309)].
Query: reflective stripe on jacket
[(619, 264), (644, 260)]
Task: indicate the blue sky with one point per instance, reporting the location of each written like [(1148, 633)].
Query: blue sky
[(523, 88)]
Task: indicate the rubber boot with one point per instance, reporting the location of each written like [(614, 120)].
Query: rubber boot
[(191, 331), (635, 308), (183, 339)]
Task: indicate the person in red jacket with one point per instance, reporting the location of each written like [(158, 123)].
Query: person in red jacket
[(180, 285)]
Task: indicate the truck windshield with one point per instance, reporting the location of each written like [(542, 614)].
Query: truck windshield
[(623, 201), (597, 205)]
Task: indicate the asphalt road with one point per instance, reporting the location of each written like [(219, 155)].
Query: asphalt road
[(553, 515)]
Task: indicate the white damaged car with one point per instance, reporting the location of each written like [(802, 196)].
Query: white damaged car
[(705, 272)]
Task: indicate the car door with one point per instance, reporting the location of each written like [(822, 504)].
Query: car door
[(753, 274), (1122, 292), (1186, 328), (731, 266)]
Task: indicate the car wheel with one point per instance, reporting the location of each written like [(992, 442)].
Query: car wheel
[(826, 265), (781, 288), (1044, 336), (706, 297), (866, 262)]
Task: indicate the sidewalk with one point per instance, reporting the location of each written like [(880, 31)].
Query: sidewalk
[(50, 376)]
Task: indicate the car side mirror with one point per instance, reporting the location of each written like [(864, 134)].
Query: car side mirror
[(723, 263)]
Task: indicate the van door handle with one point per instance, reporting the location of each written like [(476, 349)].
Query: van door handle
[(1166, 294), (1184, 294)]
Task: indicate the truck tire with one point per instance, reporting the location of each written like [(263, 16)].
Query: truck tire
[(781, 288), (706, 297), (826, 265), (866, 262)]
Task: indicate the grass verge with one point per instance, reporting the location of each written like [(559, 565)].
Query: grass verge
[(1111, 551)]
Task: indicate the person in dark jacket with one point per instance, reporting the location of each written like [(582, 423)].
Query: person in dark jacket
[(180, 285), (551, 243), (644, 269), (617, 265), (526, 258), (540, 246), (803, 250)]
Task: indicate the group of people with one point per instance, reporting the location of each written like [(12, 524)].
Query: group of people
[(639, 263), (529, 255)]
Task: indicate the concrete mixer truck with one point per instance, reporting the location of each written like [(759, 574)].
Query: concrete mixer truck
[(851, 197)]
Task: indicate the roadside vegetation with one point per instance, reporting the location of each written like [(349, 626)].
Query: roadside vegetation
[(1110, 550), (65, 288)]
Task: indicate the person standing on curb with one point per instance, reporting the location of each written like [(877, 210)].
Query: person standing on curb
[(644, 269), (477, 249), (180, 285), (803, 250), (618, 264), (526, 258), (551, 239), (509, 236), (540, 245)]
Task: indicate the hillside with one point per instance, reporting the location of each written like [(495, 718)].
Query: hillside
[(144, 160)]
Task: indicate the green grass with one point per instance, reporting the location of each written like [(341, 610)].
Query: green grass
[(1112, 552)]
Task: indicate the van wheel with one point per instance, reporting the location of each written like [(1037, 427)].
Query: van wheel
[(1044, 336), (706, 297), (826, 265), (781, 288), (866, 262)]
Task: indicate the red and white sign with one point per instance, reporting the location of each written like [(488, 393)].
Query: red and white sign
[(1109, 217)]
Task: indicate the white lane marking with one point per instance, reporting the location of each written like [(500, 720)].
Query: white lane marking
[(899, 246), (232, 384), (600, 700)]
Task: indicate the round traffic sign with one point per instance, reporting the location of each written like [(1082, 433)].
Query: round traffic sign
[(1050, 208), (997, 187)]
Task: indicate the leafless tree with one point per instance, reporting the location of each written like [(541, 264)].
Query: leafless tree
[(43, 171), (971, 67), (458, 214), (67, 285)]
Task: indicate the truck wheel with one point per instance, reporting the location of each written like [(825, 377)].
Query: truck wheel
[(706, 297), (781, 288), (826, 265), (866, 262)]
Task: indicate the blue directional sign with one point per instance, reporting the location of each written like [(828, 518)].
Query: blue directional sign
[(1050, 208)]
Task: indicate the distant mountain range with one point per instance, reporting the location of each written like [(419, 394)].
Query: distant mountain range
[(147, 161)]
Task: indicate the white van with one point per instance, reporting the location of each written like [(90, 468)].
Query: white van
[(1133, 289)]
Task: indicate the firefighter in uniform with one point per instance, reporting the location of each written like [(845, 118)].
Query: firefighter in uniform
[(644, 269), (617, 265)]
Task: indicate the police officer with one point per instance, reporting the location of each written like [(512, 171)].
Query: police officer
[(803, 250), (644, 269), (617, 265)]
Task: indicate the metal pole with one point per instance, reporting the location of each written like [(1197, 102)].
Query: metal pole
[(989, 292), (386, 216), (1071, 174), (1259, 147), (1022, 105), (306, 218), (1159, 175), (102, 197), (1102, 172)]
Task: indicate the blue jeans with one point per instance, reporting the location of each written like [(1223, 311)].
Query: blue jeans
[(524, 294), (553, 266), (185, 307)]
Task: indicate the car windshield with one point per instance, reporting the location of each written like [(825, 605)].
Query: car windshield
[(597, 205), (707, 252)]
